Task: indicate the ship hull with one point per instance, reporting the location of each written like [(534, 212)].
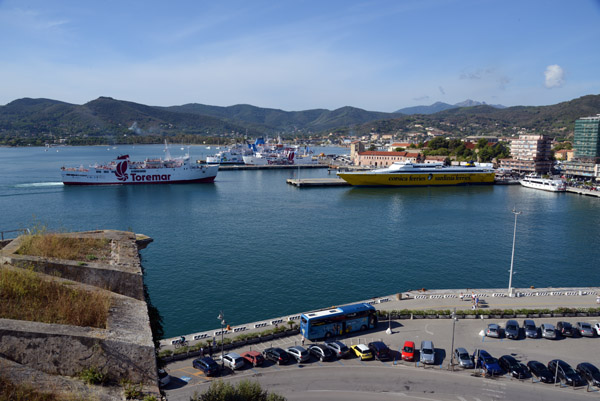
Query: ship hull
[(416, 179), (93, 176)]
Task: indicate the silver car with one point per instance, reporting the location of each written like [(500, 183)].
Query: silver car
[(493, 330), (548, 331), (339, 348), (233, 361), (301, 354), (463, 358), (427, 352), (585, 329), (511, 330), (530, 329)]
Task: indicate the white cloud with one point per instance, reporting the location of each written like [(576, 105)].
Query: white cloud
[(555, 76)]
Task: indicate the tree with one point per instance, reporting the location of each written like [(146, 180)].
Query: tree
[(399, 149), (482, 143), (437, 143), (245, 390), (372, 148)]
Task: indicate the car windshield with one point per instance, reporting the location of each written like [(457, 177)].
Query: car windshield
[(428, 351), (463, 355), (530, 327), (549, 330), (493, 329), (408, 349), (586, 326), (511, 327)]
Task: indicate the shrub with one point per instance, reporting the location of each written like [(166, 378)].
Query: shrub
[(92, 375), (165, 353), (131, 390), (61, 246), (244, 390), (10, 391)]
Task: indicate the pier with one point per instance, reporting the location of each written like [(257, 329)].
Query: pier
[(430, 301), (317, 182), (586, 192), (271, 167)]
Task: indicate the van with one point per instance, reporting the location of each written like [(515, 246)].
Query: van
[(427, 353)]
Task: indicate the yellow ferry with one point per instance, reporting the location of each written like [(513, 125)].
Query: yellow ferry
[(420, 174)]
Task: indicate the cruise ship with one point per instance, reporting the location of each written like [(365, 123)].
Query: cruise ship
[(401, 174), (123, 171), (545, 184)]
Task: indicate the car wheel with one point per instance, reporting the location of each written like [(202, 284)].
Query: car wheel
[(321, 359)]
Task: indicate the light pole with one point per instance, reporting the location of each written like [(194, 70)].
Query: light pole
[(512, 258), (452, 346), (221, 317)]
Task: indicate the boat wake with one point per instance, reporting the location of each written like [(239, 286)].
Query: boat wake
[(40, 184)]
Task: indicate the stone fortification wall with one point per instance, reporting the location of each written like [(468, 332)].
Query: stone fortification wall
[(124, 350), (121, 274)]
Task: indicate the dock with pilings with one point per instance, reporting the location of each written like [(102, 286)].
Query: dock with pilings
[(317, 182)]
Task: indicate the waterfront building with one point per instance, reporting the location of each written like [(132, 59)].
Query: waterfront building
[(586, 146), (384, 159), (530, 154)]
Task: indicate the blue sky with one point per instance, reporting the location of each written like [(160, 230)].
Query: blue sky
[(298, 55)]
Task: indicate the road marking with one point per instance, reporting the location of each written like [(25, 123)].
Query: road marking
[(340, 362), (427, 331), (461, 398)]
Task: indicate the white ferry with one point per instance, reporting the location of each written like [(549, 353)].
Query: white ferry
[(123, 171), (546, 184), (234, 155), (420, 174)]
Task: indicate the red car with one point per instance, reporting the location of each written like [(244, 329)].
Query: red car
[(254, 358), (408, 351)]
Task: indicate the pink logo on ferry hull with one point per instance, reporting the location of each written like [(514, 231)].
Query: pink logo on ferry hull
[(121, 171)]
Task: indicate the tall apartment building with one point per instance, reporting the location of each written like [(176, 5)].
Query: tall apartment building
[(586, 144), (530, 154)]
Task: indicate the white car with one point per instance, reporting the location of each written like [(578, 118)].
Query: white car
[(597, 328), (233, 361)]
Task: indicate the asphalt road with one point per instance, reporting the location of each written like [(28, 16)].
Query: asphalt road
[(352, 379)]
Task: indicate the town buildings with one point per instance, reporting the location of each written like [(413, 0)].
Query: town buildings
[(530, 154), (586, 144)]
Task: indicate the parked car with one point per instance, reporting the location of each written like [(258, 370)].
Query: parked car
[(254, 358), (276, 355), (548, 331), (512, 366), (299, 353), (530, 329), (408, 351), (488, 363), (163, 377), (565, 372), (362, 351), (207, 365), (463, 358), (427, 352), (380, 351), (321, 352), (597, 328), (339, 348), (493, 330), (233, 360), (565, 329), (511, 330), (590, 373), (585, 329), (540, 371)]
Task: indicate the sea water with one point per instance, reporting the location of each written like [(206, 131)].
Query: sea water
[(256, 247)]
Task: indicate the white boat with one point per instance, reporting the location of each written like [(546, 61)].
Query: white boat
[(123, 171), (264, 154), (234, 155), (546, 184)]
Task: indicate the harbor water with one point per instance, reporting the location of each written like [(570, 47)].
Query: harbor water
[(255, 247)]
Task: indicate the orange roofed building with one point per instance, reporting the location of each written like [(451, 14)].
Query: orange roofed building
[(384, 159)]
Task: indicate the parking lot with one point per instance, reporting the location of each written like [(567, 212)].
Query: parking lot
[(352, 371)]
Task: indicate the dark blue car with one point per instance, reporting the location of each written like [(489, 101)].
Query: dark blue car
[(207, 365), (488, 363)]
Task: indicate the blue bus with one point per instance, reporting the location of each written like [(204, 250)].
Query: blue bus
[(337, 321)]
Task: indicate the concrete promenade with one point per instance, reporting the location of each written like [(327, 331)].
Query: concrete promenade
[(536, 298)]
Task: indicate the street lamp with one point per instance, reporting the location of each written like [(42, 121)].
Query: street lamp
[(452, 346), (221, 317), (512, 258)]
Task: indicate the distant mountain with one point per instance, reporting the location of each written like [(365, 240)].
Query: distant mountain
[(553, 120), (441, 106)]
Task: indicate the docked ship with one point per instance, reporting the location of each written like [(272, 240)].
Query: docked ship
[(402, 174), (545, 184), (123, 171), (233, 155), (262, 154)]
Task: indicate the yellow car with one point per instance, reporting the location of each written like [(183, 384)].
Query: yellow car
[(362, 351)]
